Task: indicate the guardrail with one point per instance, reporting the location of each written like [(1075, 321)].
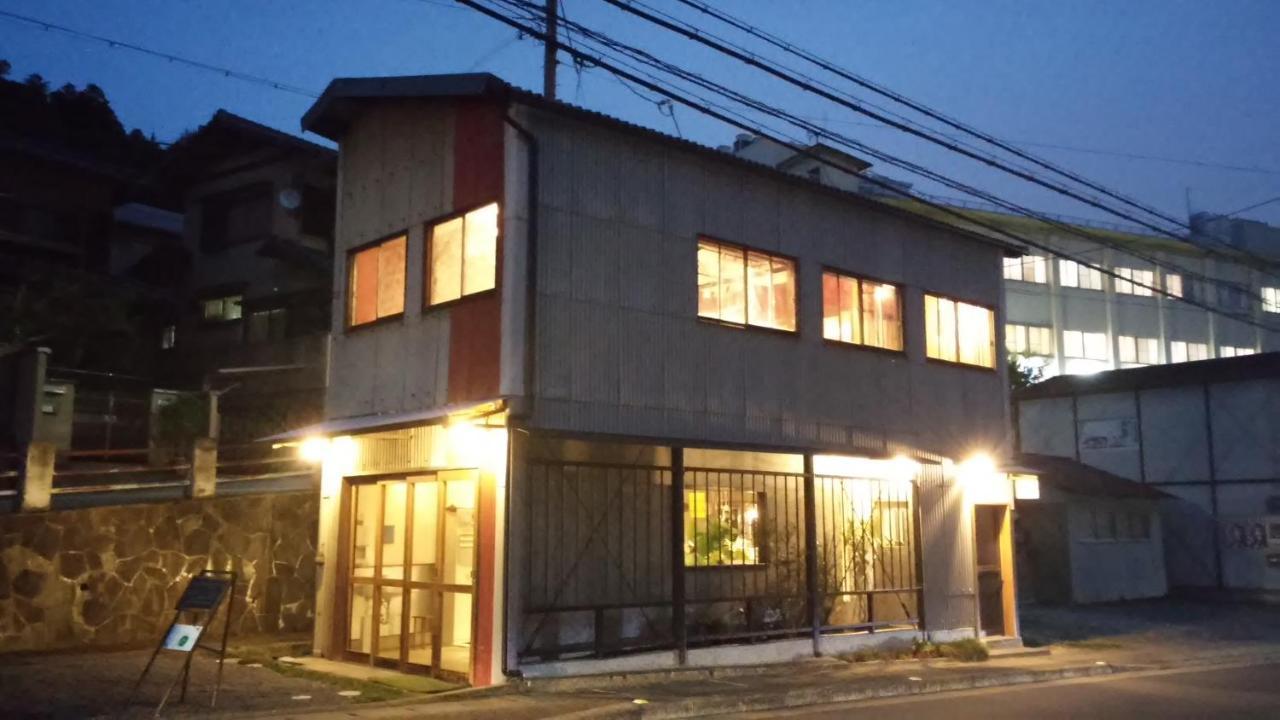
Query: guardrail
[(77, 479)]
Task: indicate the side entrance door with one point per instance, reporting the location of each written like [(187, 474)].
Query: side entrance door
[(993, 538), (410, 547)]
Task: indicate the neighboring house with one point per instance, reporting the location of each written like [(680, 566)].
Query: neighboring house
[(254, 312), (1086, 535), (1064, 318), (1206, 433), (601, 398)]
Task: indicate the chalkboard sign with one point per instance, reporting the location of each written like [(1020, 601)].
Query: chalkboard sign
[(204, 592)]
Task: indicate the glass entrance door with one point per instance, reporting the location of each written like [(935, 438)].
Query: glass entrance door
[(410, 578)]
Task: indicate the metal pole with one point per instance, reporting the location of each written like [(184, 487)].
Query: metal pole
[(549, 51), (811, 555), (678, 630)]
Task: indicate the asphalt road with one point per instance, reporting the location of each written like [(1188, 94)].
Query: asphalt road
[(1244, 692)]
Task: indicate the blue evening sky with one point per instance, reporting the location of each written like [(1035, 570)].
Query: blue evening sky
[(1182, 79)]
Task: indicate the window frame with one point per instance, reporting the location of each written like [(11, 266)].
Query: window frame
[(1036, 265), (1081, 271), (1269, 304), (1026, 330), (222, 298), (746, 287), (426, 257), (898, 287), (349, 301), (996, 344)]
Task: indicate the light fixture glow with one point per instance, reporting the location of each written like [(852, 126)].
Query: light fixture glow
[(314, 449), (977, 468)]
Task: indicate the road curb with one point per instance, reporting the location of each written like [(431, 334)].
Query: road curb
[(826, 695)]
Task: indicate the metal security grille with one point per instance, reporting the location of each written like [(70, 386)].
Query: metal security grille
[(868, 553), (602, 543)]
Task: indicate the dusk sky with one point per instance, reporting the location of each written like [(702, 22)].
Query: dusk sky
[(1182, 79)]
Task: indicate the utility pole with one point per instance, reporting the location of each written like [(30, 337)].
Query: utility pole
[(549, 51)]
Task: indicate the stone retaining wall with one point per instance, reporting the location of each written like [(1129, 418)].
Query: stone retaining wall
[(110, 576)]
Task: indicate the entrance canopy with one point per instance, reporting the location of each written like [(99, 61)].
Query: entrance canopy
[(389, 421)]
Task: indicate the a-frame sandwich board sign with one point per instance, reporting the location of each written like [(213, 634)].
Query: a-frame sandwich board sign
[(194, 614)]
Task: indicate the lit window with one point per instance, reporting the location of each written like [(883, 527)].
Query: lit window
[(266, 325), (1073, 274), (1182, 351), (1027, 268), (1085, 345), (168, 337), (722, 527), (959, 332), (223, 308), (1271, 300), (746, 287), (1173, 284), (861, 312), (1235, 351), (1028, 340), (377, 281), (463, 255), (1135, 282), (1138, 350)]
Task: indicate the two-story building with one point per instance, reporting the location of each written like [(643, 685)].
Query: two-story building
[(601, 398)]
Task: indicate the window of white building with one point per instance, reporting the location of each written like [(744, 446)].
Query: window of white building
[(1271, 300), (1182, 351), (1028, 340), (1085, 345), (1136, 351), (1173, 284), (1135, 282), (1235, 351), (1028, 268), (1073, 274)]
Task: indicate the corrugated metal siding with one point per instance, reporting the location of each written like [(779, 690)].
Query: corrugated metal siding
[(947, 539), (620, 348)]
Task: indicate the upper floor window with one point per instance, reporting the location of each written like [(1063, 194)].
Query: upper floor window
[(1235, 351), (1173, 284), (1271, 300), (236, 216), (1028, 340), (267, 325), (1135, 282), (1027, 268), (222, 308), (1085, 345), (746, 287), (959, 332), (376, 281), (168, 337), (463, 255), (862, 312), (1138, 350), (1182, 351), (1073, 274)]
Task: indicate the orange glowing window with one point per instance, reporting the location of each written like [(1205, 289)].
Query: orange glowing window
[(376, 286)]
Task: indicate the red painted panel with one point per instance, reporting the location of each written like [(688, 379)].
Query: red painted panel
[(477, 153), (475, 324), (486, 586), (475, 345)]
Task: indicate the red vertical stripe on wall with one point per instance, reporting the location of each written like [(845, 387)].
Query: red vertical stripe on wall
[(475, 331), (486, 586)]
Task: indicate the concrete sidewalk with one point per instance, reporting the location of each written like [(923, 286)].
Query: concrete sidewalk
[(816, 682)]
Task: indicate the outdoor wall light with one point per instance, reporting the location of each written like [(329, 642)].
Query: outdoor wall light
[(314, 449), (977, 468)]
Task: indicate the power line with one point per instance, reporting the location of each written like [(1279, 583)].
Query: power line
[(819, 132), (121, 44), (1251, 207), (801, 150), (1090, 151), (701, 36)]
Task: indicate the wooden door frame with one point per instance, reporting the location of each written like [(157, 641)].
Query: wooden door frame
[(341, 624), (1008, 580)]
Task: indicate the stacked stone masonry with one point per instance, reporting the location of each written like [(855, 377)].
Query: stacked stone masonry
[(110, 576)]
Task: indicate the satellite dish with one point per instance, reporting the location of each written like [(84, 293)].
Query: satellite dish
[(290, 198)]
